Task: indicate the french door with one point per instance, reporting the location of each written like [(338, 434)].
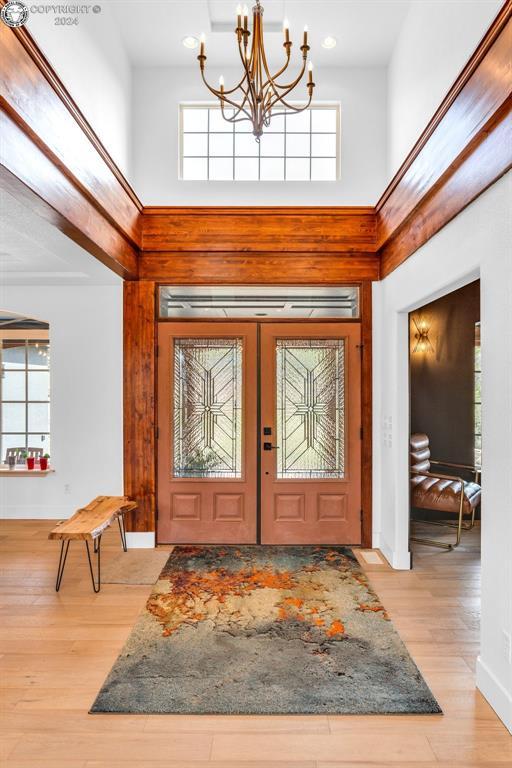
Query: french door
[(259, 433), (207, 433), (311, 418)]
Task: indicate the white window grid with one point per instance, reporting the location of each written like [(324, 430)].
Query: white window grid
[(288, 128), (26, 438)]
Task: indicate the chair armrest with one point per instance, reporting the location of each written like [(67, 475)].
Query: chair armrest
[(477, 471), (438, 474), (457, 466)]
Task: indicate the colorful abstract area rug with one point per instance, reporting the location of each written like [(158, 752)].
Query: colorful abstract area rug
[(264, 630)]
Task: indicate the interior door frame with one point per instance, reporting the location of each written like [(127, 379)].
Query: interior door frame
[(365, 319)]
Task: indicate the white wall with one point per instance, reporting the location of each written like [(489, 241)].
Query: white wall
[(86, 381), (158, 91), (92, 63), (435, 42), (478, 243)]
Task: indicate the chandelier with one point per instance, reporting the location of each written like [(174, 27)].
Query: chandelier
[(258, 93)]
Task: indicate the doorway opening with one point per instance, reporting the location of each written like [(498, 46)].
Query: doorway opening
[(259, 431), (445, 422)]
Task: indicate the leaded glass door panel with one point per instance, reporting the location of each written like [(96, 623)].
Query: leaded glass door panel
[(207, 452), (310, 433)]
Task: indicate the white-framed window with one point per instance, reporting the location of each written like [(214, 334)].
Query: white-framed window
[(24, 394), (302, 146)]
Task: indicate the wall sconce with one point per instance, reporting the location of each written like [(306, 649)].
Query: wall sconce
[(422, 340)]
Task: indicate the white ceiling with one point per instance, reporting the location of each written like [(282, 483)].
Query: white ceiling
[(366, 30), (33, 252)]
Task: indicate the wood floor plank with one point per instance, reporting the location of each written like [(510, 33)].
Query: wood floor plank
[(458, 748), (436, 764), (320, 747), (237, 724), (202, 764), (108, 747), (42, 763)]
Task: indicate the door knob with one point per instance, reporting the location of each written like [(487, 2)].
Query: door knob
[(269, 446)]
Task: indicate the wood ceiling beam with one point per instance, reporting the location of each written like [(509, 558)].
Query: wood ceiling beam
[(464, 149), (51, 159)]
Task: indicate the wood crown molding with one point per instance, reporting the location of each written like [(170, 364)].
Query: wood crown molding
[(252, 210)]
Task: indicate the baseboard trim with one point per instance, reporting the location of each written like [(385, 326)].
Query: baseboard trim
[(140, 540), (495, 693), (399, 561)]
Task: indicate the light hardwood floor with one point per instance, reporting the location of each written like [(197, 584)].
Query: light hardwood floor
[(56, 649)]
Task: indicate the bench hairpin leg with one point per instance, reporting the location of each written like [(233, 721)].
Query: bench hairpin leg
[(122, 531), (62, 563), (96, 585)]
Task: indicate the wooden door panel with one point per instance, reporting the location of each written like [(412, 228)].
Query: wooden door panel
[(311, 403), (207, 473)]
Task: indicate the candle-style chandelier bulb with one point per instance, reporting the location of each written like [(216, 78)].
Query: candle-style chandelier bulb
[(259, 92), (286, 29)]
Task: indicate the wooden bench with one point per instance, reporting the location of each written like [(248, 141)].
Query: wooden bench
[(88, 524)]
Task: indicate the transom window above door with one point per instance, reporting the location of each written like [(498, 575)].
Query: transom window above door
[(258, 302), (295, 147)]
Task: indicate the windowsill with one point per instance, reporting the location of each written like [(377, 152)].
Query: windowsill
[(23, 471)]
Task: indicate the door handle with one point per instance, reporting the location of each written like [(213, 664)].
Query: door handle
[(269, 447)]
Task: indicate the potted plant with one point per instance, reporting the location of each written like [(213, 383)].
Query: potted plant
[(29, 460), (43, 461)]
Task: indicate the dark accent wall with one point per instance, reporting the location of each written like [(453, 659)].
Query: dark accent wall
[(442, 380)]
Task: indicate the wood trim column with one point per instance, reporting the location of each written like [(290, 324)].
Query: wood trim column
[(139, 403)]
